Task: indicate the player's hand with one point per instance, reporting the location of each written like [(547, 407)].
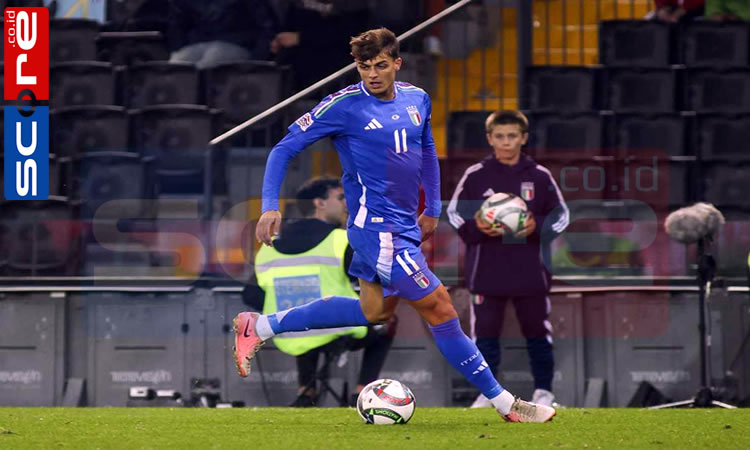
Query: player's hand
[(288, 39), (268, 226), (428, 225), (486, 227), (529, 228)]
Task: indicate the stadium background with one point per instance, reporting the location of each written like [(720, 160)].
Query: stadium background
[(131, 273)]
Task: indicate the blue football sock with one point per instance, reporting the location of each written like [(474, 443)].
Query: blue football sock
[(328, 312), (464, 355)]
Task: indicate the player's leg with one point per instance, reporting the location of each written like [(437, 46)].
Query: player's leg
[(533, 315), (488, 314), (413, 280), (251, 330)]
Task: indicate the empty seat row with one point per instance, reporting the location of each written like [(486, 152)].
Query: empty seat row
[(709, 136), (621, 89), (657, 44), (82, 40), (184, 129), (240, 89)]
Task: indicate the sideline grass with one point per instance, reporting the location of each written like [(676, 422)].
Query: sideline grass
[(341, 428)]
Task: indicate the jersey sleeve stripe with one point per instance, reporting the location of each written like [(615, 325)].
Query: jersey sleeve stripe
[(323, 108), (453, 216), (561, 223)]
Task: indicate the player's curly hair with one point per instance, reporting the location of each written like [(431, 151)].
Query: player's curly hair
[(312, 189), (507, 117), (371, 43)]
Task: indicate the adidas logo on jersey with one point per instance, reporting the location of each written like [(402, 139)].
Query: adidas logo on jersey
[(373, 125)]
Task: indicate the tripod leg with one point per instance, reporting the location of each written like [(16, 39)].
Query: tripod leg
[(674, 404), (722, 405)]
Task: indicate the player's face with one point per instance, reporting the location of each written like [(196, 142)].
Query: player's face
[(506, 141), (334, 207), (379, 74)]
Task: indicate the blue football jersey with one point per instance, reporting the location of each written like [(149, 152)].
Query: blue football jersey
[(386, 151)]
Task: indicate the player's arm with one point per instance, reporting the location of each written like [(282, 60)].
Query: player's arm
[(556, 215), (324, 120), (428, 221)]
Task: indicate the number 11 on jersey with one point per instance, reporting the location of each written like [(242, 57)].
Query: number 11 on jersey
[(400, 140)]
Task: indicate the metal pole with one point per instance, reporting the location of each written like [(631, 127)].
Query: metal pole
[(581, 34), (252, 121), (524, 19), (564, 8), (546, 32)]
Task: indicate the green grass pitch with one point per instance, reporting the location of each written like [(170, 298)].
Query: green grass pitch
[(341, 428)]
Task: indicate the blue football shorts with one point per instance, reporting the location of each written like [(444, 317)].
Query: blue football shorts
[(393, 260)]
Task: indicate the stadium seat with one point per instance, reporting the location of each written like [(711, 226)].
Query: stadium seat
[(726, 183), (714, 44), (81, 129), (467, 136), (560, 89), (243, 89), (131, 47), (72, 40), (104, 176), (723, 136), (577, 134), (160, 82), (642, 89), (718, 90), (663, 132), (82, 83), (40, 237), (177, 136), (635, 43)]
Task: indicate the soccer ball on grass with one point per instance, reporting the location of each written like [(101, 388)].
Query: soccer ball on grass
[(386, 402)]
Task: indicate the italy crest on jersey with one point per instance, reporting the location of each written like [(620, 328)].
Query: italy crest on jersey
[(414, 115), (527, 190)]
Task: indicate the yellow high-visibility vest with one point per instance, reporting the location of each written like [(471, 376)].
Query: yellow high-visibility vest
[(294, 280)]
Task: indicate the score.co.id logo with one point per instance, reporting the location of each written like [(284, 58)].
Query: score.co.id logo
[(26, 110)]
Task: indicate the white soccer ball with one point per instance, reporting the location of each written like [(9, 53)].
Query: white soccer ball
[(503, 210), (386, 402)]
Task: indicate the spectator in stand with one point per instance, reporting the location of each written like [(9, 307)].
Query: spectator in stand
[(673, 11), (208, 33), (728, 10), (501, 267), (315, 36)]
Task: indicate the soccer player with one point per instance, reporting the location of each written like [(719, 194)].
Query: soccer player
[(381, 129)]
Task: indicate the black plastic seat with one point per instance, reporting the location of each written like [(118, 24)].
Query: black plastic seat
[(72, 40), (467, 135), (160, 82), (715, 44), (561, 89), (641, 90), (126, 48), (82, 83), (40, 237), (635, 43), (718, 90)]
